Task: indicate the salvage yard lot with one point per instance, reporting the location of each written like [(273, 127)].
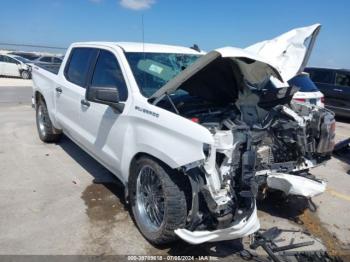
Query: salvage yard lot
[(56, 199)]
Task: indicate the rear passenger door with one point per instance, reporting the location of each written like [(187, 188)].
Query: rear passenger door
[(342, 89), (70, 90), (102, 127)]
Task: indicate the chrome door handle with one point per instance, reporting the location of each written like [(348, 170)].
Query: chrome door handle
[(84, 102), (338, 90), (58, 90)]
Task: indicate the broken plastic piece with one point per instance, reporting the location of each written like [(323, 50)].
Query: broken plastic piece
[(296, 185), (243, 228)]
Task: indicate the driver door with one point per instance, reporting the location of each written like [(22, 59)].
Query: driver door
[(102, 127)]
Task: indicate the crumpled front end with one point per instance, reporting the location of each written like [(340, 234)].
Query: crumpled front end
[(262, 140), (238, 229), (251, 153)]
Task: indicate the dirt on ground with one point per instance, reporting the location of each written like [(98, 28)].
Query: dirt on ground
[(311, 222)]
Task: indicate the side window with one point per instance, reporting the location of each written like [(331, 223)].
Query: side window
[(342, 79), (2, 58), (322, 76), (107, 73), (13, 61), (77, 68), (46, 59), (8, 59), (57, 60)]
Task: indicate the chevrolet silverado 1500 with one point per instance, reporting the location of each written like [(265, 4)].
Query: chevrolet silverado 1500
[(193, 136)]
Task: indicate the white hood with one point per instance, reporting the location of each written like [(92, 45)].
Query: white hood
[(253, 68), (290, 51)]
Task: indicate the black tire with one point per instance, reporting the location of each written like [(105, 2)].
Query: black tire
[(175, 207), (47, 132), (25, 74)]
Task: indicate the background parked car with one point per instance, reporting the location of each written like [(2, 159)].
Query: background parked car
[(27, 55), (13, 66), (308, 91), (335, 85), (48, 60)]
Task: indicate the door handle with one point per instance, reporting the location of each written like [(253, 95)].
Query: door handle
[(84, 102), (58, 90), (338, 90)]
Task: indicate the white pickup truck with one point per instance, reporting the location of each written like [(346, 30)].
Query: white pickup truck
[(193, 136)]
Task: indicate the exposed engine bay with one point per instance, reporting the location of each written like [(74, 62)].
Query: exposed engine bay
[(259, 140), (262, 140)]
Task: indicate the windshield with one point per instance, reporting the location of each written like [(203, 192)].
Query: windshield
[(153, 70), (19, 58)]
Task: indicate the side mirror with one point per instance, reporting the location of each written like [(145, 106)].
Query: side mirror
[(105, 95)]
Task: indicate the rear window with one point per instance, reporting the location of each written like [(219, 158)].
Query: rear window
[(304, 83), (78, 66), (321, 76)]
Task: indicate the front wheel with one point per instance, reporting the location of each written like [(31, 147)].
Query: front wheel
[(157, 200)]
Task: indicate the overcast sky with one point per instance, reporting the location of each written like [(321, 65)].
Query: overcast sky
[(209, 23)]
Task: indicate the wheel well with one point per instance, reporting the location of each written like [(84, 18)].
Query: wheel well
[(38, 96), (141, 154), (186, 182)]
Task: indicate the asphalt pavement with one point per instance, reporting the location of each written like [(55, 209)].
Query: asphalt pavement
[(58, 200)]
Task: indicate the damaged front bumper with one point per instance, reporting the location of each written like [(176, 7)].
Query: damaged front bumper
[(245, 160), (242, 228)]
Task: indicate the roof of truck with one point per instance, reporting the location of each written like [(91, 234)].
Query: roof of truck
[(146, 47)]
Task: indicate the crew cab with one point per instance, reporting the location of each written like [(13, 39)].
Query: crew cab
[(193, 136)]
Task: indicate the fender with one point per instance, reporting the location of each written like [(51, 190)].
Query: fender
[(44, 84), (173, 139)]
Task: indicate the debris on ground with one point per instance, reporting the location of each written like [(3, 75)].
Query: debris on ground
[(267, 239)]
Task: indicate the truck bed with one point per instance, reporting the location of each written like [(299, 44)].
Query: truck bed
[(45, 79)]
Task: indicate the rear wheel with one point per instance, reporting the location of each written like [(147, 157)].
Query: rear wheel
[(157, 200), (46, 131)]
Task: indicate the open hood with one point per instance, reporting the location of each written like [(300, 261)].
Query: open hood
[(220, 74), (290, 52)]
